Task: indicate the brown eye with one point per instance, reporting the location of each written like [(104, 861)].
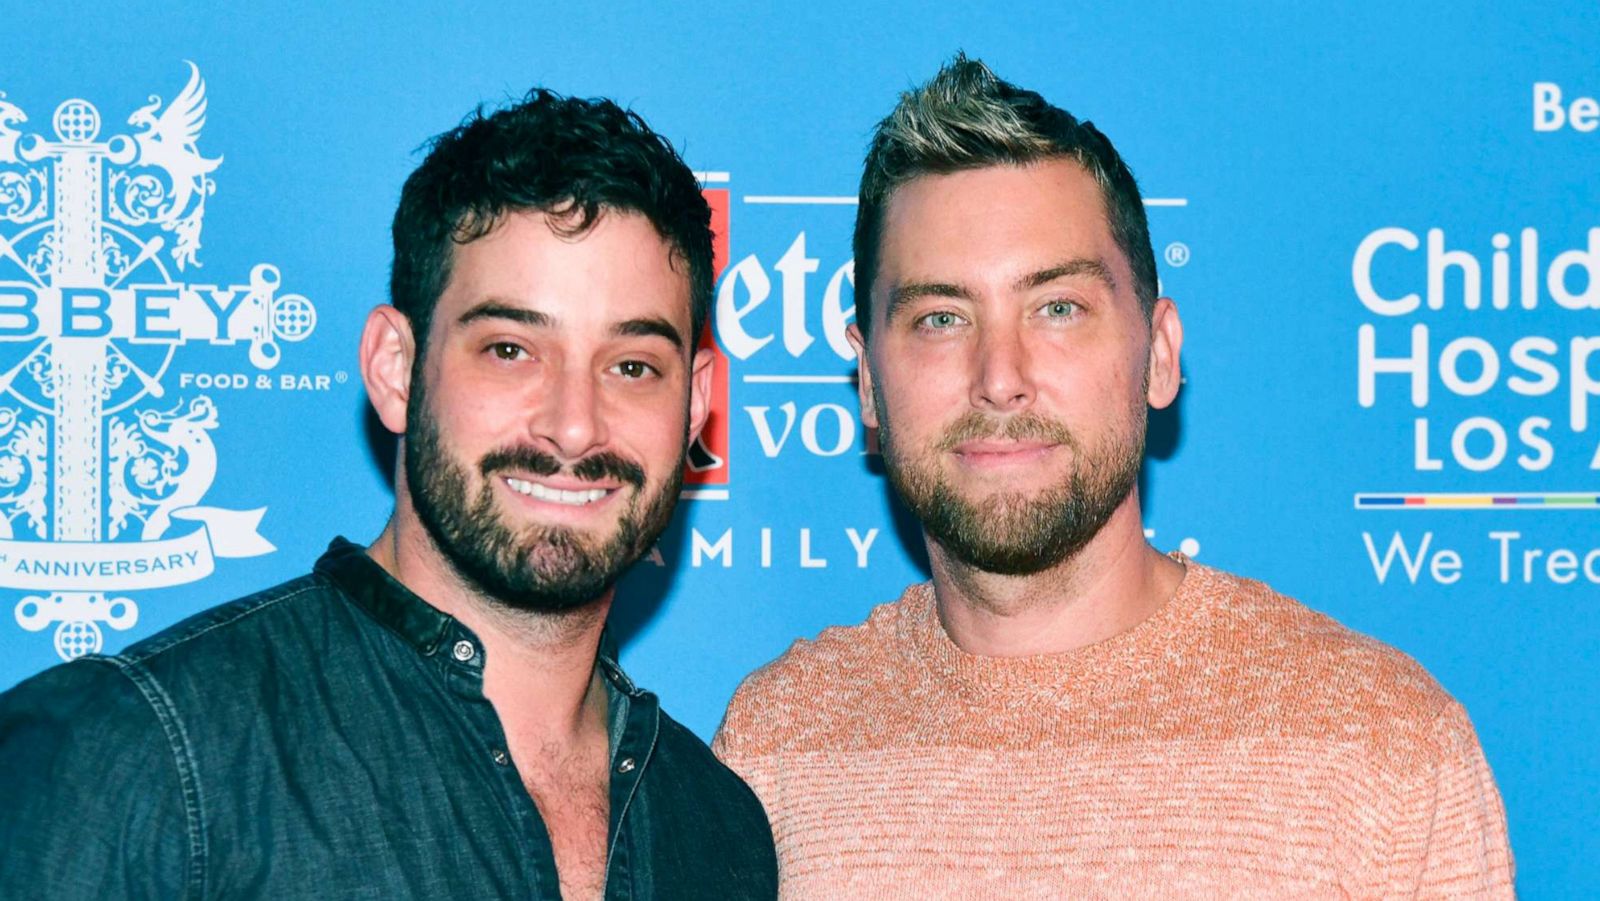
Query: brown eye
[(634, 369), (505, 350)]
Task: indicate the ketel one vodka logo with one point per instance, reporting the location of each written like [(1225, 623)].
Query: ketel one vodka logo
[(102, 471)]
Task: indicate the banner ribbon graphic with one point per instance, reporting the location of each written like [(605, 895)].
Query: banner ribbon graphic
[(104, 566)]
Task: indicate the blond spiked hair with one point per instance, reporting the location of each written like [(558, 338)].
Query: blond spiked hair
[(966, 117)]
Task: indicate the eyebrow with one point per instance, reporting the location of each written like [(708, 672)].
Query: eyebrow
[(1091, 267), (903, 295), (494, 309), (647, 327), (1081, 266)]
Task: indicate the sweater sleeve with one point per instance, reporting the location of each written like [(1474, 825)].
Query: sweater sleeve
[(1453, 843)]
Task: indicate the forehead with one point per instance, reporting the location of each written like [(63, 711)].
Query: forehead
[(1038, 212), (618, 268)]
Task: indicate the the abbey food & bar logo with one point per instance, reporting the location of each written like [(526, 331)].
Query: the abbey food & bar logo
[(103, 469)]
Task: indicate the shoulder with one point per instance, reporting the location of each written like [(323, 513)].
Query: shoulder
[(805, 691), (95, 693), (692, 761), (1284, 656), (220, 656), (145, 693), (217, 628), (108, 686), (721, 804)]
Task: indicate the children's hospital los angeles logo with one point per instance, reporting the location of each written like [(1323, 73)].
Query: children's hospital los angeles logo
[(103, 468)]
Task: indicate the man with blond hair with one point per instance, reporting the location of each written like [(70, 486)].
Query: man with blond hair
[(1063, 711)]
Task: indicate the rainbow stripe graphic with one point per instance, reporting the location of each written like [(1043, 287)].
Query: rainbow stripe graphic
[(1561, 500)]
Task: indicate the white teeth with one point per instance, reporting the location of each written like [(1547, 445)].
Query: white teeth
[(556, 495)]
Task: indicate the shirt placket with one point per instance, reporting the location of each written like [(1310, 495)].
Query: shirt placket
[(629, 760), (463, 661)]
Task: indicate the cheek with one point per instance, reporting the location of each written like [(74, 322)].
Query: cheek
[(476, 414), (652, 430), (457, 385), (915, 408), (1083, 390)]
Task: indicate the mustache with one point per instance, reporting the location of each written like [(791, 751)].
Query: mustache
[(592, 468), (974, 425)]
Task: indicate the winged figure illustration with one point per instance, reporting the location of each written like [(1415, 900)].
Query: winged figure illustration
[(168, 141)]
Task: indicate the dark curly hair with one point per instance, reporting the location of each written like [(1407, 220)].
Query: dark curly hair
[(567, 157)]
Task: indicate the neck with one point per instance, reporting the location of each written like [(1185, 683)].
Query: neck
[(539, 668), (1110, 585)]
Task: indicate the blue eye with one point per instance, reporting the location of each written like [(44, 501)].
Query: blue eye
[(941, 320)]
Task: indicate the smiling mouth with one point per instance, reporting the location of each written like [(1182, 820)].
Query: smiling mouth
[(578, 498)]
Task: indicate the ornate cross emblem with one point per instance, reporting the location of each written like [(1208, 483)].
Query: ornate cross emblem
[(102, 472)]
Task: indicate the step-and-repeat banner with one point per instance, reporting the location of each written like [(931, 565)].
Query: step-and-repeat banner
[(1381, 228)]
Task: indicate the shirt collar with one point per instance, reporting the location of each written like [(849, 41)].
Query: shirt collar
[(393, 605), (422, 625)]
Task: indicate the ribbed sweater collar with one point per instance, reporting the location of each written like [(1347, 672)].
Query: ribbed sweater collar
[(1128, 657)]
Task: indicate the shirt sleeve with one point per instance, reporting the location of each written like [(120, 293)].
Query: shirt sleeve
[(92, 802), (1458, 847)]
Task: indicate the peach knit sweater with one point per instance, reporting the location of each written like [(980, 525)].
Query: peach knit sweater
[(1235, 744)]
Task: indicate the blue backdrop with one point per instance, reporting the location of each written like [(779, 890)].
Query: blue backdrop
[(1380, 226)]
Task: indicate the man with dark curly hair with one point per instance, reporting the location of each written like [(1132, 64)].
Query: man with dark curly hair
[(439, 714)]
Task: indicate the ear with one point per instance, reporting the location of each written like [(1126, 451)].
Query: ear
[(701, 371), (869, 405), (387, 350), (1166, 345)]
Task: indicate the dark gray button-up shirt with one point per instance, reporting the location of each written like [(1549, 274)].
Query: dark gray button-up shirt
[(329, 738)]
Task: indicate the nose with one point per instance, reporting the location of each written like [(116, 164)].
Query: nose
[(1002, 378), (570, 418)]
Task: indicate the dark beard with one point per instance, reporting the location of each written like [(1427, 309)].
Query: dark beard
[(1015, 533), (542, 569)]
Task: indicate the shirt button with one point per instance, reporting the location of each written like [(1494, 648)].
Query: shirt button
[(499, 756), (625, 765), (463, 651)]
